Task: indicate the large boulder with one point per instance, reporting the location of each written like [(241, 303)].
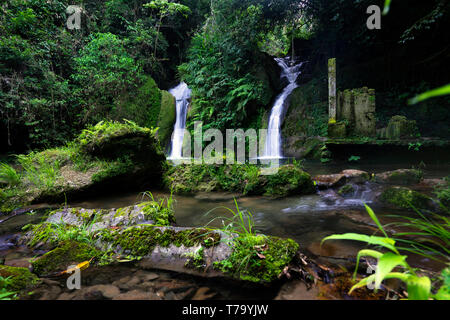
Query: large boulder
[(399, 127), (108, 157)]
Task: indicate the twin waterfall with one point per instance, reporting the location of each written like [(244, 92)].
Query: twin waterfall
[(182, 94), (273, 140)]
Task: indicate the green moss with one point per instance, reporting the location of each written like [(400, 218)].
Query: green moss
[(258, 258), (289, 180), (141, 240), (167, 117), (21, 278), (162, 216), (68, 253), (404, 198)]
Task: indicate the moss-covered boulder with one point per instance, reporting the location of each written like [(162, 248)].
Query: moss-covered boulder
[(399, 177), (69, 253), (340, 179), (110, 156), (243, 179), (401, 197), (20, 278)]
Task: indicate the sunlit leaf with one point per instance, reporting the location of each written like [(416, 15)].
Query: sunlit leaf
[(431, 94), (419, 288), (386, 264), (373, 240)]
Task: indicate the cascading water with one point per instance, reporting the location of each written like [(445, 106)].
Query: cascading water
[(182, 95), (291, 72)]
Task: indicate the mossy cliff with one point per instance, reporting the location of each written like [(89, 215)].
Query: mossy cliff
[(110, 156), (148, 107), (20, 278), (244, 179)]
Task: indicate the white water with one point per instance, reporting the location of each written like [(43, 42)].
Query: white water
[(273, 140), (182, 95)]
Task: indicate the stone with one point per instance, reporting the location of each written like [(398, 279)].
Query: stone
[(400, 127), (401, 197), (204, 293), (337, 130), (340, 179), (365, 121)]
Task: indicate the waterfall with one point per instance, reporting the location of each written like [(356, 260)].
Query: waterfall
[(182, 95), (290, 72)]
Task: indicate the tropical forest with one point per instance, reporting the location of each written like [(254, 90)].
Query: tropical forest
[(224, 150)]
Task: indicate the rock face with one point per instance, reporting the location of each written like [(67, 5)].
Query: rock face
[(399, 177), (340, 179), (337, 130)]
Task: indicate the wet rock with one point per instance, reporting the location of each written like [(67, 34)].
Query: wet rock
[(204, 293), (21, 278), (51, 293), (330, 180), (297, 290), (399, 177), (137, 295), (399, 127)]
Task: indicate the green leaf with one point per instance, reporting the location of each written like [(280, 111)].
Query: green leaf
[(386, 264), (387, 6), (419, 288), (373, 240), (431, 94)]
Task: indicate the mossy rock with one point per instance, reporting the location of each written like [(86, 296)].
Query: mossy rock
[(70, 220), (265, 258), (346, 190), (21, 278), (141, 105), (401, 197), (114, 140), (400, 177), (243, 179), (337, 130), (65, 255), (167, 118), (289, 180), (400, 127)]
